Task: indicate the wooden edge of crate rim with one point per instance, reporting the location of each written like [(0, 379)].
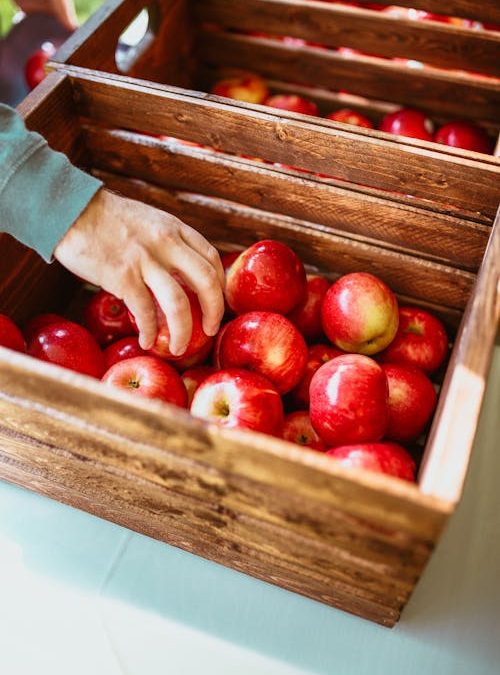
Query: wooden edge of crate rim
[(26, 381), (380, 138), (449, 445)]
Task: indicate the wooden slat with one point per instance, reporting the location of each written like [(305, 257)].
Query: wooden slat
[(483, 10), (94, 44), (374, 33), (451, 240), (50, 110), (209, 215), (221, 220), (320, 146), (453, 94), (152, 511), (309, 478), (450, 442)]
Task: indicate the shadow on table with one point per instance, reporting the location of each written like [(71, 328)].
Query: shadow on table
[(450, 625)]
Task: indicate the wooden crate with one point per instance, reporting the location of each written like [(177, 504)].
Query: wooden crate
[(349, 538), (193, 43)]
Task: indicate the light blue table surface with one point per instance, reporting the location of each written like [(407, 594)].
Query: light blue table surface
[(79, 595)]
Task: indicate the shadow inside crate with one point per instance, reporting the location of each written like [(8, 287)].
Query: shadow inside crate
[(451, 622)]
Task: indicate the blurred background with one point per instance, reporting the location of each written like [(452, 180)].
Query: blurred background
[(84, 8)]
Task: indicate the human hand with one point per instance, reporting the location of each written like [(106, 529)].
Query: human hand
[(64, 10), (127, 247)]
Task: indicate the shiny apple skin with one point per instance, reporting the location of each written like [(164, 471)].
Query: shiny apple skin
[(193, 377), (293, 103), (349, 401), (317, 356), (412, 400), (307, 314), (107, 318), (126, 348), (247, 87), (420, 341), (264, 342), (199, 358), (239, 399), (268, 276), (34, 325), (388, 458), (352, 117), (298, 429), (465, 135), (148, 377), (360, 314), (10, 335), (69, 345), (408, 122)]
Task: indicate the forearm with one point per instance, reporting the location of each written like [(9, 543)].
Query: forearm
[(41, 192)]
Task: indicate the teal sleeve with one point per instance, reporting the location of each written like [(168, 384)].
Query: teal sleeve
[(41, 192)]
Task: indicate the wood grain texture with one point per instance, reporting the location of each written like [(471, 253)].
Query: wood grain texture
[(212, 215), (353, 539), (221, 220), (450, 93), (173, 477), (171, 164), (483, 10), (374, 33), (319, 145), (450, 442)]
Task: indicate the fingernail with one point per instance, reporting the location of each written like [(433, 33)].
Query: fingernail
[(179, 351)]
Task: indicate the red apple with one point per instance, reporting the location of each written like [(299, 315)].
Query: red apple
[(421, 341), (388, 458), (126, 348), (10, 335), (38, 322), (318, 356), (193, 377), (197, 359), (307, 314), (107, 318), (264, 342), (408, 122), (237, 398), (268, 277), (412, 400), (293, 103), (247, 87), (466, 135), (348, 116), (198, 341), (349, 400), (360, 313), (34, 69), (148, 377), (298, 429), (227, 259), (68, 345)]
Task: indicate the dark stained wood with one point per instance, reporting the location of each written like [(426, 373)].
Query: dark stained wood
[(378, 33), (484, 10), (450, 442), (221, 220), (215, 214), (328, 101), (183, 167), (94, 44), (52, 110), (319, 145), (353, 539), (450, 93)]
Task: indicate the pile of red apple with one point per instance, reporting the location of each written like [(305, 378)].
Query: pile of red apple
[(407, 122), (337, 367)]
